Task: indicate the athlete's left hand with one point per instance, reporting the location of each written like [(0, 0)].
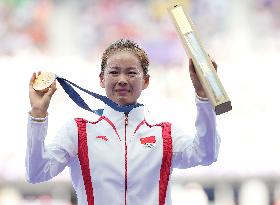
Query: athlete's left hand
[(195, 81)]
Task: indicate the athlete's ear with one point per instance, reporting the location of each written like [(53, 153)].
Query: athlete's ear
[(146, 81), (102, 80)]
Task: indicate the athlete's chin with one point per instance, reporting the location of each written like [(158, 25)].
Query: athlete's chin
[(123, 101)]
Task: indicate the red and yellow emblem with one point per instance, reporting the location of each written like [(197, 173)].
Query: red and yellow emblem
[(148, 141)]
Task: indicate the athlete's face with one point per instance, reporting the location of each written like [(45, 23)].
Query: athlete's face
[(123, 78)]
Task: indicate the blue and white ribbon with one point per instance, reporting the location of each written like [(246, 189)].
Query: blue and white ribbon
[(72, 93)]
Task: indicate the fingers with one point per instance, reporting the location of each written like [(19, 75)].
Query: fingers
[(33, 77), (213, 62), (52, 89), (191, 66), (190, 62)]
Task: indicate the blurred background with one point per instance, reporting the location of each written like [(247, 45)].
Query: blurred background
[(67, 37)]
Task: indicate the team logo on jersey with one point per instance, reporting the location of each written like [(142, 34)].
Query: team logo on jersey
[(102, 137), (148, 141)]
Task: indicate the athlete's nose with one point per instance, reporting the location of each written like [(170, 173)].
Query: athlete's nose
[(122, 80)]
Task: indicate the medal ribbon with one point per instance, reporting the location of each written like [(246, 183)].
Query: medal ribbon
[(67, 86)]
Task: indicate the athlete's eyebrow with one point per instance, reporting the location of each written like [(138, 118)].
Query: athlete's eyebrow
[(119, 68)]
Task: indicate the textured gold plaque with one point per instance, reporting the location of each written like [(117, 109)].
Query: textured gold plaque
[(203, 66)]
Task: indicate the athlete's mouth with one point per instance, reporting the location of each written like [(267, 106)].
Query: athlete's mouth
[(122, 91)]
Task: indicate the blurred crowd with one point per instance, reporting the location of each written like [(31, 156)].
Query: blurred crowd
[(27, 25), (84, 28), (23, 26), (250, 191), (267, 13)]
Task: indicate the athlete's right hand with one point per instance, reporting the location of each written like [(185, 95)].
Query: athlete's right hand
[(40, 100)]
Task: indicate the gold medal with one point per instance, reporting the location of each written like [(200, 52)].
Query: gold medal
[(44, 81)]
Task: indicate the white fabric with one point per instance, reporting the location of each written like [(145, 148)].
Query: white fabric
[(107, 158)]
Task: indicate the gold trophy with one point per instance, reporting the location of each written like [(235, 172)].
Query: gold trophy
[(203, 66)]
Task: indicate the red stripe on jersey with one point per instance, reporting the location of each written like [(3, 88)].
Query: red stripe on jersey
[(113, 126), (83, 158), (166, 160)]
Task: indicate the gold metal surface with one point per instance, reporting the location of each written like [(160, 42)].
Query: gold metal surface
[(204, 68), (44, 81), (181, 19)]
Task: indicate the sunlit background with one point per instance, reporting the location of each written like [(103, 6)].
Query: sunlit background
[(68, 37)]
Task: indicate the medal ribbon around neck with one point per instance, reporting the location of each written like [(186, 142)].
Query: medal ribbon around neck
[(72, 93)]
